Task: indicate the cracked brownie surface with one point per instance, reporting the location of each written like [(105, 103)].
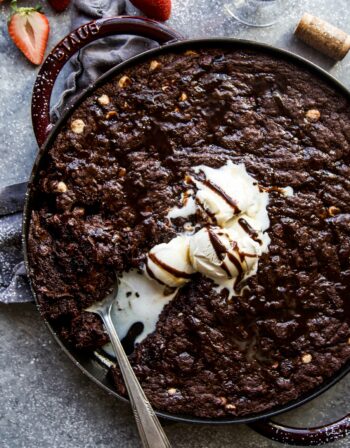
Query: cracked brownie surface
[(117, 166)]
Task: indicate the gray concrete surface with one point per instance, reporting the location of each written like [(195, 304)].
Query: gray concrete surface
[(45, 402)]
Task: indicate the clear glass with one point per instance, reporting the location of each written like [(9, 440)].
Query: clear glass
[(259, 13)]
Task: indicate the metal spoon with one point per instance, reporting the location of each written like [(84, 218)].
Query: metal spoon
[(151, 432)]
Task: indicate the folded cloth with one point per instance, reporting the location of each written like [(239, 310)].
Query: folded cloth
[(98, 57), (91, 62), (13, 283)]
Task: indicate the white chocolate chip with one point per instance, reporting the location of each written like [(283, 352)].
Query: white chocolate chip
[(61, 187), (115, 238), (172, 391), (124, 81), (154, 65), (223, 400), (307, 358), (103, 100), (230, 407), (313, 115), (183, 96), (77, 126), (333, 210)]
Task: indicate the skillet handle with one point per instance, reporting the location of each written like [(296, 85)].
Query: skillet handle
[(76, 40), (316, 436)]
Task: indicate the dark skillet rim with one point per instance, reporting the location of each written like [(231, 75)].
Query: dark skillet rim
[(85, 362)]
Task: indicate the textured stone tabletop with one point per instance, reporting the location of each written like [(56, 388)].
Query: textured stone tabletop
[(45, 402)]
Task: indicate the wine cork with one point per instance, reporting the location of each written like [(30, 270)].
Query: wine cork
[(323, 36)]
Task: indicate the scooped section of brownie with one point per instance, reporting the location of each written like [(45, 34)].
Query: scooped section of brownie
[(116, 168)]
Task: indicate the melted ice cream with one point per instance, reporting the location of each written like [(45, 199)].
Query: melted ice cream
[(139, 299), (187, 210)]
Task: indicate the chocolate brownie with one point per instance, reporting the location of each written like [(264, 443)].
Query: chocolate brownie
[(116, 168)]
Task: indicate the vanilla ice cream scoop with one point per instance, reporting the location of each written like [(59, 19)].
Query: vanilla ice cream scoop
[(229, 191), (223, 254), (169, 263)]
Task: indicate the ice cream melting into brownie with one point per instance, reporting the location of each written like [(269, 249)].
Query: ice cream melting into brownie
[(226, 249), (139, 299)]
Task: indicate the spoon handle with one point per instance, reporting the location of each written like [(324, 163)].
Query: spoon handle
[(151, 432)]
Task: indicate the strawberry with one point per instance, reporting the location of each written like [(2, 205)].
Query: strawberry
[(29, 30), (59, 5), (155, 9)]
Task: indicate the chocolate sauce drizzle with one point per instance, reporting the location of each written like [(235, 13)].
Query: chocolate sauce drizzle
[(249, 229), (269, 189), (174, 272), (208, 212), (151, 274), (238, 266), (220, 250), (220, 192), (231, 202)]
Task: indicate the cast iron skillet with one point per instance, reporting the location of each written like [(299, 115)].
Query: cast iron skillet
[(95, 366)]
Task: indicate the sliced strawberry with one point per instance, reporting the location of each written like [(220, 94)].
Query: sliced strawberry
[(59, 5), (155, 9), (29, 30)]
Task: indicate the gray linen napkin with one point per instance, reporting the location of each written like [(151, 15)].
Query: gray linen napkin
[(89, 64)]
